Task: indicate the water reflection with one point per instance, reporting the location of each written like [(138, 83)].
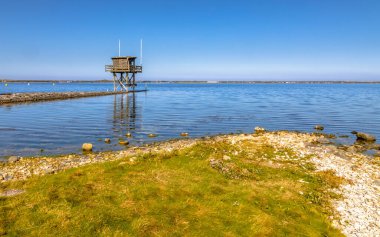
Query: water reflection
[(125, 113)]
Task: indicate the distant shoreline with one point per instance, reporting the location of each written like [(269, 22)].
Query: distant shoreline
[(194, 82)]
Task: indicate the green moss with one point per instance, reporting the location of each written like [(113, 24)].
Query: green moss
[(176, 193)]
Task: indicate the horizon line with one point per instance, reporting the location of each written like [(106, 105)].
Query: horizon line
[(199, 81)]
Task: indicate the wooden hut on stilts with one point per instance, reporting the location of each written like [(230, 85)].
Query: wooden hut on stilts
[(124, 71)]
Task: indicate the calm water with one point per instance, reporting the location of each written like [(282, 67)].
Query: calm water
[(168, 109)]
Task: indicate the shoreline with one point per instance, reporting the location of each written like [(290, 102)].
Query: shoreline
[(198, 82), (16, 98), (78, 159), (357, 211)]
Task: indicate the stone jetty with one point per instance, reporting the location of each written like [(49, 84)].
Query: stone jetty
[(46, 96)]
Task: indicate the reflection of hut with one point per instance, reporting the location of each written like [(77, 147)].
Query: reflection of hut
[(126, 113), (121, 65)]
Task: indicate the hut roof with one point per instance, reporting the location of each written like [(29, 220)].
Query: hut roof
[(123, 57)]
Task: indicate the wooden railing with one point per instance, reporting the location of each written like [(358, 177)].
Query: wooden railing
[(130, 69)]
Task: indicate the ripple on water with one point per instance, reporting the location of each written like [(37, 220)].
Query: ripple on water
[(169, 109)]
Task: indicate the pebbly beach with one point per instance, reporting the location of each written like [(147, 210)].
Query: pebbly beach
[(351, 206)]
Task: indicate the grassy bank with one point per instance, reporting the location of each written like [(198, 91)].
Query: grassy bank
[(214, 188)]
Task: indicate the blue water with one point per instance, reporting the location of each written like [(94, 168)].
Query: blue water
[(60, 127)]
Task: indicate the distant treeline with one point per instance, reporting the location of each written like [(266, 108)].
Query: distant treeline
[(54, 81), (193, 82), (263, 82)]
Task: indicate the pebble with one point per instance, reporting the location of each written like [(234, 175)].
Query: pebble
[(132, 159), (365, 137), (259, 129), (319, 127), (87, 147), (351, 149), (323, 140), (11, 193), (376, 146), (122, 142), (13, 159)]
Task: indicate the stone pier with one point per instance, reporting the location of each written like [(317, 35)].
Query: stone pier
[(46, 96)]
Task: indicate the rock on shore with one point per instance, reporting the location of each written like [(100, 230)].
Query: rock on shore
[(13, 159), (87, 147), (365, 137), (319, 127)]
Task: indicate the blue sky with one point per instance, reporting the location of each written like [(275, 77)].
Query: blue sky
[(213, 40)]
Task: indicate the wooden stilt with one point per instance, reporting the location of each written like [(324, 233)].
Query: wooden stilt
[(133, 81), (114, 81)]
